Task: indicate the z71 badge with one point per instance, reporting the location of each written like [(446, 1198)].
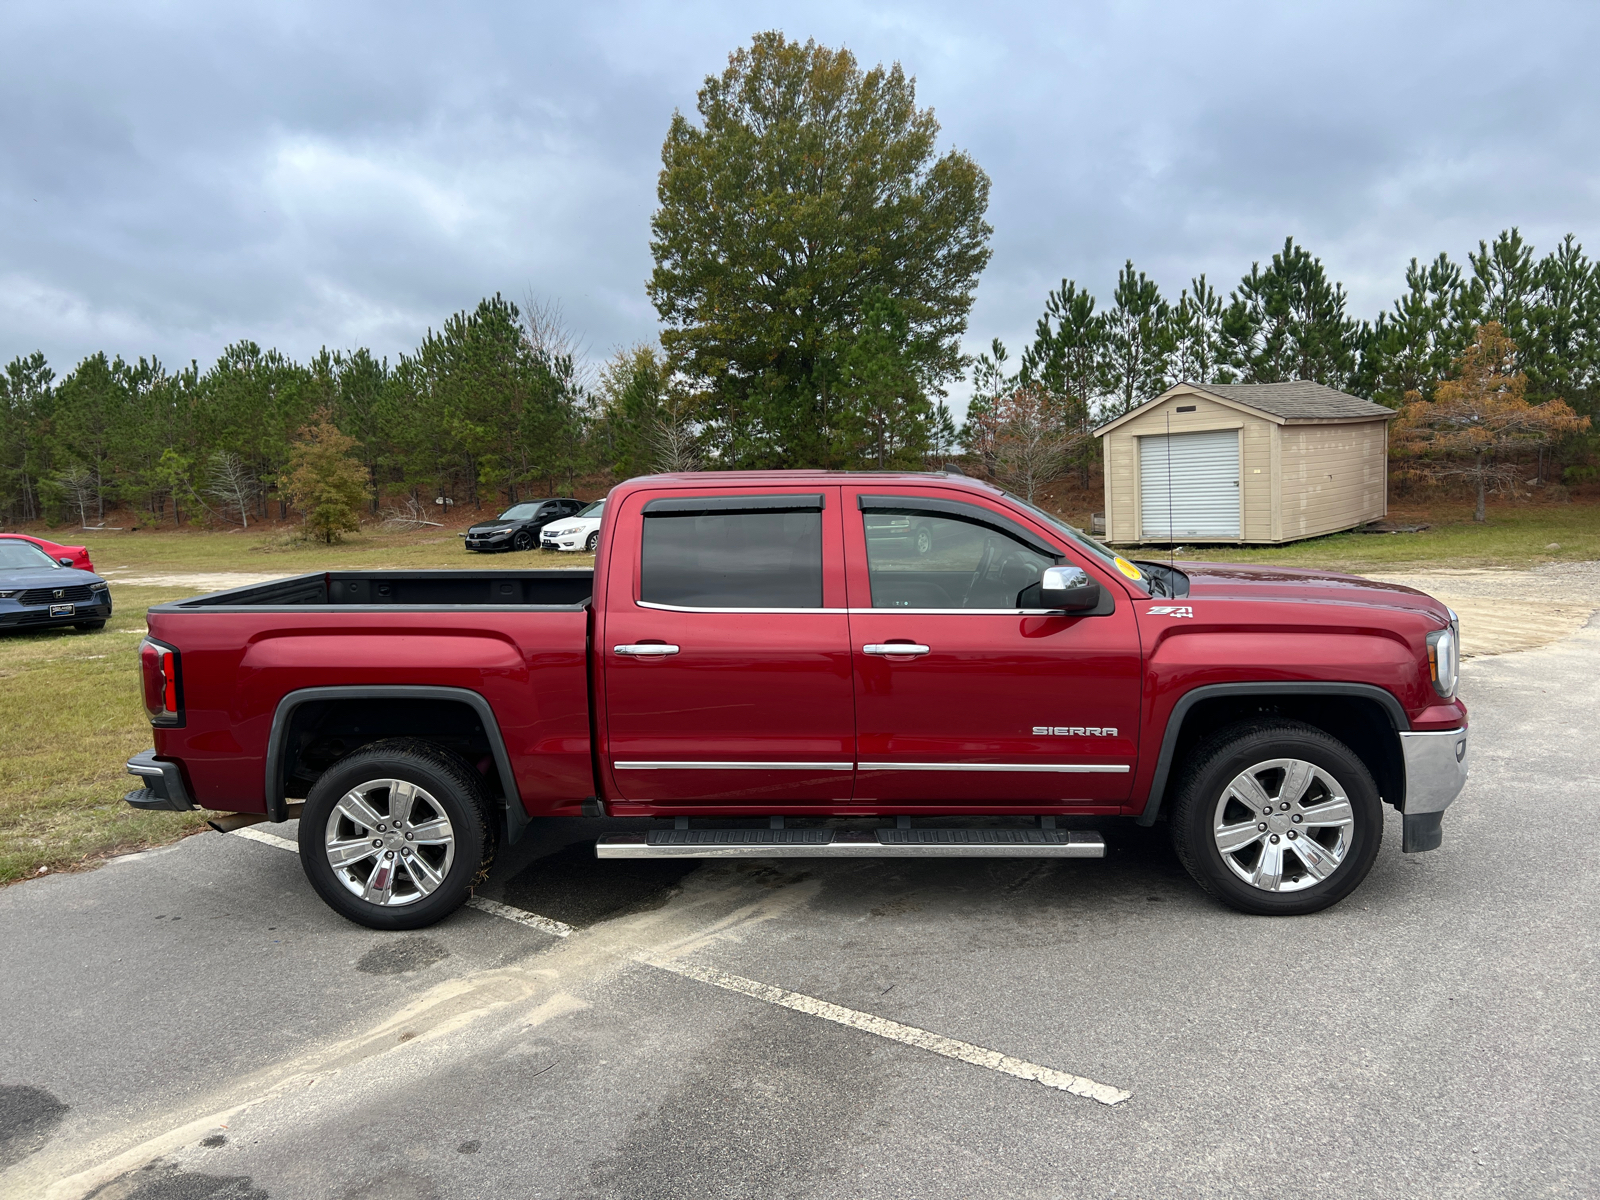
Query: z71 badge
[(1169, 610)]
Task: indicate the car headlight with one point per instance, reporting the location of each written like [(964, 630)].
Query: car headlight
[(1444, 657), (500, 533), (99, 587), (562, 532)]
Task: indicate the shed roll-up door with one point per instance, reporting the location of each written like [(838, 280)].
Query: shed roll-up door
[(1189, 485)]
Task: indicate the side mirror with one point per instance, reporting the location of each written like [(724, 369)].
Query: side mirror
[(1068, 588), (65, 562)]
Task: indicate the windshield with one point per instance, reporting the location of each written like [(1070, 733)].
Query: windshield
[(591, 510), (519, 512), (1080, 537), (1071, 531), (17, 555)]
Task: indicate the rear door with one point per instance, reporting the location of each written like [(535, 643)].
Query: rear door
[(993, 700), (726, 650)]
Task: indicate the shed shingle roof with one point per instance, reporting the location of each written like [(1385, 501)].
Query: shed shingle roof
[(1297, 401)]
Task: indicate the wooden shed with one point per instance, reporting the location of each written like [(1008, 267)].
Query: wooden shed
[(1248, 463)]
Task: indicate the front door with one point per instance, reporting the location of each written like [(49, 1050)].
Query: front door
[(992, 701), (726, 652)]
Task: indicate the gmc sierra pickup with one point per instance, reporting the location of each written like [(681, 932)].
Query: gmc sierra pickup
[(813, 664)]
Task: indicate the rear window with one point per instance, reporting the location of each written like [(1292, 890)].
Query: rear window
[(726, 552)]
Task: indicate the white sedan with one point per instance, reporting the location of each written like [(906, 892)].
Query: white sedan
[(580, 532)]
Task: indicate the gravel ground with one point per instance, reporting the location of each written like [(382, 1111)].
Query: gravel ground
[(1503, 611)]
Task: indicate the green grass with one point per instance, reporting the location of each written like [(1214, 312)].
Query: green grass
[(70, 708), (1515, 536), (270, 551)]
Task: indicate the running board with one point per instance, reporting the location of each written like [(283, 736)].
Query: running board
[(849, 843)]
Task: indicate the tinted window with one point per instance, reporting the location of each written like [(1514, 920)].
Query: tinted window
[(519, 512), (18, 555), (733, 560), (923, 560)]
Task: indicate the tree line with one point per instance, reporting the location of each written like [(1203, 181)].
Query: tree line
[(816, 260)]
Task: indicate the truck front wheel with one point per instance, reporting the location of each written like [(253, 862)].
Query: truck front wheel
[(396, 835), (1276, 818)]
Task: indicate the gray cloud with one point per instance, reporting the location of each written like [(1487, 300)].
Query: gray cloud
[(177, 176)]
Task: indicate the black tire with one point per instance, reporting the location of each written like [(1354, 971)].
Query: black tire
[(522, 540), (1200, 803), (922, 541), (453, 788), (90, 626), (593, 542)]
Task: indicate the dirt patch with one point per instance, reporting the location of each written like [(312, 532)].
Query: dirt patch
[(1503, 611)]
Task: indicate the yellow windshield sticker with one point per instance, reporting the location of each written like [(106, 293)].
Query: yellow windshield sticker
[(1128, 569)]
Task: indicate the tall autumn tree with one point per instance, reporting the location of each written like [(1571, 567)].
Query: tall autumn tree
[(325, 480), (1479, 422), (808, 188)]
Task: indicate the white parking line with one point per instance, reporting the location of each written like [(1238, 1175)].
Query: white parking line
[(267, 839), (908, 1035), (493, 907), (521, 916)]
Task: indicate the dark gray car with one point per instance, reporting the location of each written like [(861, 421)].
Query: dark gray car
[(518, 527), (36, 589)]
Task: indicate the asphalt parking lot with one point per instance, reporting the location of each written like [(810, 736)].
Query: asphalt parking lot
[(193, 1024)]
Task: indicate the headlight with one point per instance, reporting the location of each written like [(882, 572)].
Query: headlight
[(499, 533), (561, 532), (99, 587), (1444, 657)]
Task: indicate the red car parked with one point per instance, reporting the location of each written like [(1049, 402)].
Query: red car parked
[(749, 651), (78, 554)]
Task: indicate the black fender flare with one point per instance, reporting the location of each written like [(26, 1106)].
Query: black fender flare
[(514, 812), (1169, 741)]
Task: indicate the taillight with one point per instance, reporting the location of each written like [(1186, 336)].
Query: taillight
[(163, 694)]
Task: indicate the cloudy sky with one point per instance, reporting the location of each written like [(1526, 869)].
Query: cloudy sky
[(176, 176)]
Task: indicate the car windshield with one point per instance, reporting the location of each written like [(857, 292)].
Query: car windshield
[(1071, 531), (519, 512), (17, 555), (590, 510)]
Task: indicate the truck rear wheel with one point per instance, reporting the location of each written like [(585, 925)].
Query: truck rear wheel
[(396, 835), (1277, 818)]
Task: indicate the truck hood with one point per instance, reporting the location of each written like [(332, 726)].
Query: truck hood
[(1231, 581)]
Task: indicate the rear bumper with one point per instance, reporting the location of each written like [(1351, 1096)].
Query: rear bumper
[(1436, 770), (163, 784)]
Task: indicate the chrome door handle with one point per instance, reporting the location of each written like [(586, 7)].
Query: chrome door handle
[(645, 650), (894, 649)]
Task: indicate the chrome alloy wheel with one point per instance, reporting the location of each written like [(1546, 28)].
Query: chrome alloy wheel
[(389, 842), (1283, 825)]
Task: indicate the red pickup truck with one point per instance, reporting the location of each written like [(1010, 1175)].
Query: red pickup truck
[(814, 664)]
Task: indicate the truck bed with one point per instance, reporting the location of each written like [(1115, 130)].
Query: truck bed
[(277, 678), (552, 588)]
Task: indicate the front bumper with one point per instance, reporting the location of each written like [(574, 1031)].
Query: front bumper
[(573, 542), (1436, 771), (66, 613), (163, 784)]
